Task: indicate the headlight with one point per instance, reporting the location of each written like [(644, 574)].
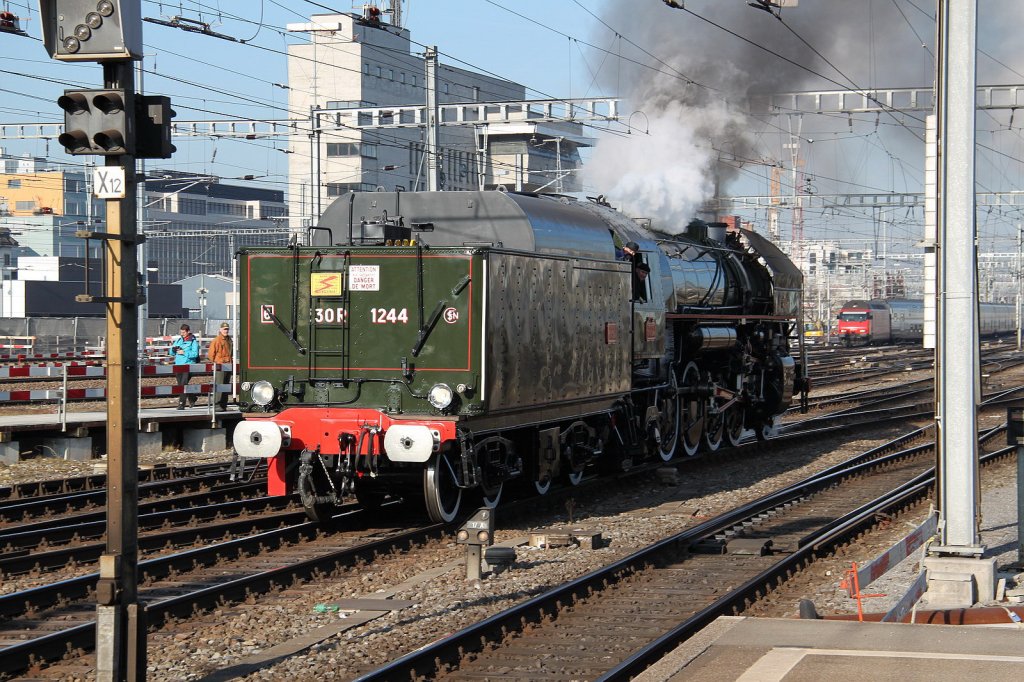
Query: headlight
[(262, 393), (440, 396)]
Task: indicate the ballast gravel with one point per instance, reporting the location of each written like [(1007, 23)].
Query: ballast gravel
[(223, 644)]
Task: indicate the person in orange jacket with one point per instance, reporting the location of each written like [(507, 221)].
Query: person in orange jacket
[(219, 352)]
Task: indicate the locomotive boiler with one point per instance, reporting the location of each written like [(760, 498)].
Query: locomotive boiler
[(434, 345)]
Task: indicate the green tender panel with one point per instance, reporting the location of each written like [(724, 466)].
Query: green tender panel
[(358, 316), (547, 330)]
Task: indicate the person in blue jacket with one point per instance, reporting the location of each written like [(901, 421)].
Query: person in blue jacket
[(185, 350)]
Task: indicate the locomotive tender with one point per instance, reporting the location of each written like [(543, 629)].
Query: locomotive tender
[(900, 320), (429, 344)]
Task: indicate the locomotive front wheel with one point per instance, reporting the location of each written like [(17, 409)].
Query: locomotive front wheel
[(668, 421), (441, 490), (734, 425), (692, 427)]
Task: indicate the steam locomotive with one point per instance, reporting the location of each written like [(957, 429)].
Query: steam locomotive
[(897, 320), (434, 345)]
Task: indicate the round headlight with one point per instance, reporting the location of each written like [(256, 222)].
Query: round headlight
[(262, 393), (440, 396)]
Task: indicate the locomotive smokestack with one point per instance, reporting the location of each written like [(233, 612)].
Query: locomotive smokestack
[(697, 230), (716, 231)]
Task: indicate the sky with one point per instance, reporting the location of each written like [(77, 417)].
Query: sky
[(683, 76)]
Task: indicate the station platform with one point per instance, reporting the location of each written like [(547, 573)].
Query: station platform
[(791, 650), (49, 421)]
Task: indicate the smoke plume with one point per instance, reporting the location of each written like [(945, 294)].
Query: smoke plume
[(687, 82)]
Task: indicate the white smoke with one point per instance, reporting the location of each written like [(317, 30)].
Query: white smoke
[(667, 173), (663, 173)]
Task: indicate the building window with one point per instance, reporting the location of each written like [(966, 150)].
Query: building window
[(349, 104), (225, 209), (414, 80), (446, 88), (391, 74), (402, 76), (267, 212), (342, 149), (366, 68), (74, 185), (191, 206), (336, 189), (380, 72), (476, 93), (25, 205), (368, 151), (14, 184)]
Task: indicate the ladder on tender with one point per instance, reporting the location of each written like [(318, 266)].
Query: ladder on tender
[(328, 320)]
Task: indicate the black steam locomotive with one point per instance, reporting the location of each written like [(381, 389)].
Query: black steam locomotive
[(428, 344)]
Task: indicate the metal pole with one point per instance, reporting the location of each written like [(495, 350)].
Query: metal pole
[(1020, 280), (143, 209), (433, 152), (1020, 503), (120, 626), (314, 167), (957, 372), (558, 163), (235, 314)]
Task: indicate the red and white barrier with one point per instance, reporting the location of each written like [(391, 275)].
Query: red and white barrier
[(79, 371), (57, 372), (101, 393), (23, 357), (51, 372)]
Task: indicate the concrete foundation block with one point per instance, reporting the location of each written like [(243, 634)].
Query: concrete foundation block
[(959, 582), (204, 440), (151, 443), (9, 452), (74, 449)]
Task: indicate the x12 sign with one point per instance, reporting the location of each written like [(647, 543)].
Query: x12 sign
[(108, 182)]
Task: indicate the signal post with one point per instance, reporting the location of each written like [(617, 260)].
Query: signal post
[(122, 126), (120, 619)]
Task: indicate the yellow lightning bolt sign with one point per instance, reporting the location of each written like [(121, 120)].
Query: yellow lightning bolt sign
[(325, 284)]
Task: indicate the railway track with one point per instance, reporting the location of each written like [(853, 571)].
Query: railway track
[(51, 621), (42, 615), (614, 622), (57, 509), (76, 484)]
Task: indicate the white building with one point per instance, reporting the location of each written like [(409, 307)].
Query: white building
[(355, 66)]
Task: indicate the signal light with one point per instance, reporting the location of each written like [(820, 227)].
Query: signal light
[(91, 30), (153, 127), (101, 122), (95, 123)]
